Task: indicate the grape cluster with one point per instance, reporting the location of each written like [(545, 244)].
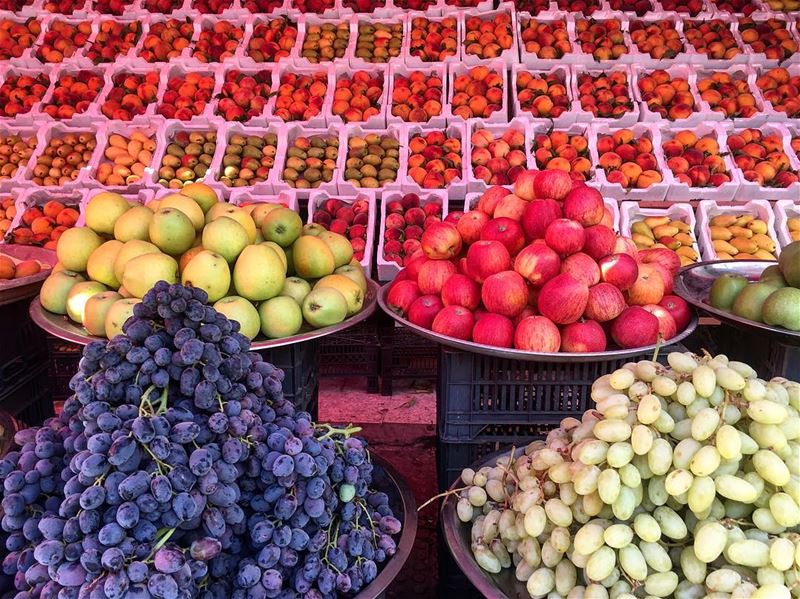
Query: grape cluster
[(684, 482), (178, 470)]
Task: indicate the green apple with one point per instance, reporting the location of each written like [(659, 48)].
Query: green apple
[(119, 312), (348, 288), (354, 272), (202, 194), (226, 237), (78, 296), (171, 231), (725, 289), (296, 288), (237, 214), (280, 317), (313, 229), (324, 306), (103, 210), (186, 205), (132, 249), (748, 304), (143, 272), (187, 256), (789, 261), (340, 247), (260, 210), (134, 224), (100, 266), (95, 311), (772, 275), (209, 271), (782, 309), (53, 295), (241, 310), (258, 273), (75, 246), (282, 226), (312, 257), (278, 250)]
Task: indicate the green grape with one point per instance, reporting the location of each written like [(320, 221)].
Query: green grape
[(705, 461), (771, 468), (618, 535), (723, 580), (601, 563), (656, 556), (736, 488), (659, 458), (661, 584), (748, 552), (693, 569), (704, 424), (704, 380), (541, 582)]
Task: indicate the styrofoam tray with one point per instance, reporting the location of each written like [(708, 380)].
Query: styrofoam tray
[(356, 130), (387, 271), (473, 125), (241, 196), (457, 188), (166, 134), (584, 116), (205, 23), (511, 55), (737, 72), (377, 121), (530, 59), (149, 128), (319, 120), (726, 191), (91, 115), (631, 212), (702, 59), (785, 209), (433, 69), (535, 129), (44, 135), (563, 120), (128, 19), (456, 70), (252, 24), (217, 167), (759, 58), (677, 71), (415, 62), (708, 209), (28, 57), (749, 190), (357, 62), (657, 191), (317, 197), (773, 115), (134, 67), (292, 132), (6, 128)]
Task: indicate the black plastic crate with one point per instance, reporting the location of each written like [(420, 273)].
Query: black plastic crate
[(27, 396), (62, 365), (19, 335), (354, 352), (769, 357), (406, 356), (300, 365)]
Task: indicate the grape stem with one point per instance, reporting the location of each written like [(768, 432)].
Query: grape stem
[(445, 494), (161, 541), (347, 432)]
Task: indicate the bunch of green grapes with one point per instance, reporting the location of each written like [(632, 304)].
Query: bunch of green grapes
[(683, 482)]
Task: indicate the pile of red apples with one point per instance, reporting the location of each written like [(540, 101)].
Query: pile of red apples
[(540, 270)]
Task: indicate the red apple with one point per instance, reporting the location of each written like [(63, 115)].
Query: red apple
[(565, 236), (524, 185), (666, 276), (460, 290), (538, 215), (463, 266), (583, 337), (605, 302), (401, 295), (648, 287), (490, 198), (507, 231), (554, 184), (485, 258), (452, 217), (625, 245), (608, 218), (537, 263), (599, 242), (563, 299), (537, 334), (527, 311), (454, 321), (666, 257), (679, 309), (493, 329), (667, 327), (512, 206), (424, 309), (441, 241), (470, 225), (433, 275), (582, 267), (585, 205), (635, 327), (505, 293), (413, 264), (620, 270)]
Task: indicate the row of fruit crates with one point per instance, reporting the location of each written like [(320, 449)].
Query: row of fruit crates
[(551, 38)]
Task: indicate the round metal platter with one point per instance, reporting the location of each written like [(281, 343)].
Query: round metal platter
[(385, 478), (13, 290), (518, 354), (457, 536), (694, 282), (62, 327)]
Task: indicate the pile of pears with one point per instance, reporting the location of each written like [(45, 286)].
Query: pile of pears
[(774, 299), (259, 265)]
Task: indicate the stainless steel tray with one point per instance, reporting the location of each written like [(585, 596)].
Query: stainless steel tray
[(62, 327)]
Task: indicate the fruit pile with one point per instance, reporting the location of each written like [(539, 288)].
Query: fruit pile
[(63, 40), (186, 96), (498, 160), (488, 38), (770, 37), (605, 95), (417, 97), (310, 161), (659, 39), (189, 471), (434, 159), (15, 150), (670, 97), (113, 40), (695, 161), (7, 213), (357, 96), (433, 41), (603, 40), (379, 42), (325, 42), (741, 236), (544, 96), (166, 40), (130, 95), (628, 160), (761, 158), (713, 38), (243, 96), (42, 225), (73, 94), (540, 270), (126, 159), (407, 218), (728, 94), (547, 40), (217, 42), (248, 159), (20, 93), (774, 299), (62, 160), (254, 263), (301, 96), (18, 270), (665, 232), (680, 481), (563, 151), (372, 160), (781, 90), (345, 218), (477, 94), (793, 227), (187, 158), (272, 40), (16, 37)]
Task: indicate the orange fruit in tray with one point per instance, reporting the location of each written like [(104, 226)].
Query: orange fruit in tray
[(27, 268), (7, 268)]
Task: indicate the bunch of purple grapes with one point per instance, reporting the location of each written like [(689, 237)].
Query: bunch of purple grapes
[(177, 470)]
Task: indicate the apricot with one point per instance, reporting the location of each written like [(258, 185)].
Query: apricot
[(7, 268), (26, 268)]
